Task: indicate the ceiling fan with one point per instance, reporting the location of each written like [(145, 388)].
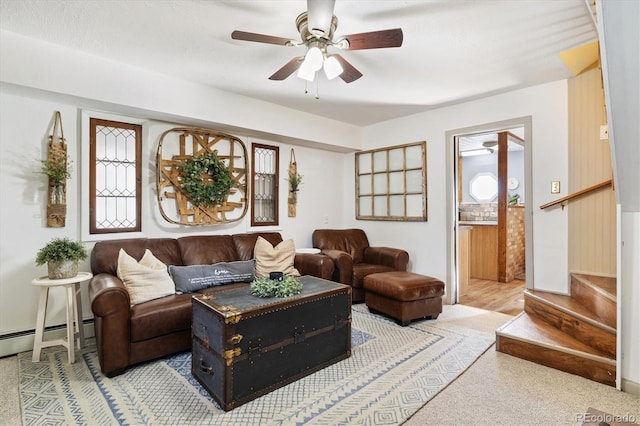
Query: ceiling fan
[(316, 27)]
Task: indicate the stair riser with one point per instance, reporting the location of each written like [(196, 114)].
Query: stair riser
[(588, 368), (602, 306), (585, 332)]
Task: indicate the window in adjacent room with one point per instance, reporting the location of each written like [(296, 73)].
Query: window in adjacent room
[(391, 183), (115, 170), (264, 175)]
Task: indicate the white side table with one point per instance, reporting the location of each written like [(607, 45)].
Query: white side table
[(74, 313)]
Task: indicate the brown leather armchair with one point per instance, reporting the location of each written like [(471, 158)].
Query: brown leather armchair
[(354, 258)]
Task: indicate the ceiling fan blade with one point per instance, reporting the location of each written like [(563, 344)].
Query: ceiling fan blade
[(374, 39), (289, 68), (349, 73), (261, 38), (320, 14)]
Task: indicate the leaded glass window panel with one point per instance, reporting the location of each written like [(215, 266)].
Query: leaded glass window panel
[(115, 174), (264, 209)]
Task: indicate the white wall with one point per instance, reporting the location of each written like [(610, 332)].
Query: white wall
[(426, 242), (25, 124), (630, 299), (94, 82), (38, 78)]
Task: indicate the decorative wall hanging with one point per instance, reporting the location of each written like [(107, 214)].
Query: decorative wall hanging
[(57, 168), (202, 177), (391, 183), (295, 179)]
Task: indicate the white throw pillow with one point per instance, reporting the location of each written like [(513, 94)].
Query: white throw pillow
[(275, 259), (145, 280)]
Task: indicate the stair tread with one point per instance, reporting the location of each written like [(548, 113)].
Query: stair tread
[(527, 327), (606, 284), (569, 304)]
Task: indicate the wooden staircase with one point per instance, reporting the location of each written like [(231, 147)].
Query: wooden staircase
[(575, 334)]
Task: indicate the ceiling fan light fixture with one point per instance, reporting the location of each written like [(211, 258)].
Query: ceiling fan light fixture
[(313, 59), (305, 72), (332, 67), (320, 14), (342, 44)]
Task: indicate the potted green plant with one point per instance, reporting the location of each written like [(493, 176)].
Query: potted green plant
[(61, 256)]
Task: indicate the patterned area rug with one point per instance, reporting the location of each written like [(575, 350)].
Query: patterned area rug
[(393, 371)]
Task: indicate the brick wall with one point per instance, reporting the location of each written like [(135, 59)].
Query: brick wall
[(471, 212), (515, 243)]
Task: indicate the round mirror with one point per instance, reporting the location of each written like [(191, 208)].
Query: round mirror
[(483, 187)]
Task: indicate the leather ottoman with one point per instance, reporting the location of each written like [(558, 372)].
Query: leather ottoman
[(404, 296)]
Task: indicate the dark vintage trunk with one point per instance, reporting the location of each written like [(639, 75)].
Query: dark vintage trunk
[(245, 346)]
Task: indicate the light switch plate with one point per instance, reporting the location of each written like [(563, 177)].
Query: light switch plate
[(555, 187), (604, 132)]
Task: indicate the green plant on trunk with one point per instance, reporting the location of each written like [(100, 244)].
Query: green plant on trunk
[(61, 250), (265, 287)]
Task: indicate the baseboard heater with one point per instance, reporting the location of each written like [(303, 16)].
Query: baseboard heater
[(22, 341)]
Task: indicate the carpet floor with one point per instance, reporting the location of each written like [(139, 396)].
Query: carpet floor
[(393, 371)]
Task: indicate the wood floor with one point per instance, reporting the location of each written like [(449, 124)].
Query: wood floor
[(507, 298)]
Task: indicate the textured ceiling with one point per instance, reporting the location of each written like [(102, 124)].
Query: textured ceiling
[(452, 51)]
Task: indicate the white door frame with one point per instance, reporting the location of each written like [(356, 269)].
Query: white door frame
[(452, 283)]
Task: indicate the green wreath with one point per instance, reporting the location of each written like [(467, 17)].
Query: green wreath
[(205, 192)]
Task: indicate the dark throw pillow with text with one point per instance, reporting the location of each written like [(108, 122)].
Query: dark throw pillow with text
[(196, 277)]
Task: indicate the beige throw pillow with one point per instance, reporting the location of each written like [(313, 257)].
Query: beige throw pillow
[(145, 280), (275, 259)]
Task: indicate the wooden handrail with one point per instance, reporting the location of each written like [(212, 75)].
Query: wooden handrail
[(578, 194)]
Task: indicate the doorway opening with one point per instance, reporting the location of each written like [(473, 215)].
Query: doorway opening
[(491, 226)]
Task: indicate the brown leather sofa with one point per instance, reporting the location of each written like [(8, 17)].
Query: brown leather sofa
[(127, 335), (354, 258)]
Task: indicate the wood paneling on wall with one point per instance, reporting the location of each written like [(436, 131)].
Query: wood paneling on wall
[(592, 219)]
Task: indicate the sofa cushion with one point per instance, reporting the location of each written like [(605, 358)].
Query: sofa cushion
[(207, 249), (352, 241), (160, 317), (196, 277), (275, 259), (246, 243), (104, 255), (361, 270), (145, 280)]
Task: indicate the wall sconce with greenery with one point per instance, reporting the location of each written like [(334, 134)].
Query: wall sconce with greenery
[(57, 167), (295, 179)]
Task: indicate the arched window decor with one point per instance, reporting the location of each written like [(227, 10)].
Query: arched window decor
[(202, 177)]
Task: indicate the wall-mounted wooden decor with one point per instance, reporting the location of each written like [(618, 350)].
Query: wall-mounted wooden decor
[(57, 170), (391, 183), (201, 177), (295, 179)]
